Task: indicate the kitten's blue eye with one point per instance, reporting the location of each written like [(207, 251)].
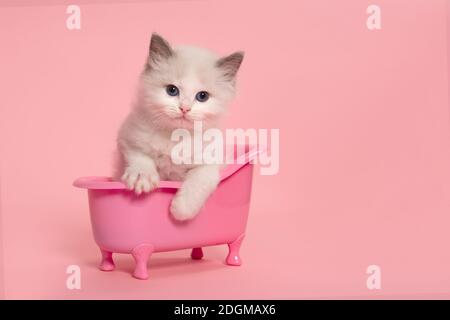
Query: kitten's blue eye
[(172, 90), (202, 96)]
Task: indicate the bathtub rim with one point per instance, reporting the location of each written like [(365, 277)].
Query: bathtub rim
[(107, 183)]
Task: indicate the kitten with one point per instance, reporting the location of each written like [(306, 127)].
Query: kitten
[(177, 87)]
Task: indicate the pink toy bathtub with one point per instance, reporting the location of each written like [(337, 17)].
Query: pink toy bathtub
[(123, 222)]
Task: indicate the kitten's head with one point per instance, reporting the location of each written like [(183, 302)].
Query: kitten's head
[(186, 84)]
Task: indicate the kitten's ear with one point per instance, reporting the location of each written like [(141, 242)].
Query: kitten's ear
[(160, 49), (230, 64)]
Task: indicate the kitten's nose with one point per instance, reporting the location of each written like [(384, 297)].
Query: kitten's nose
[(184, 108)]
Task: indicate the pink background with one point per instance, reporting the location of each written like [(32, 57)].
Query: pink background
[(364, 123)]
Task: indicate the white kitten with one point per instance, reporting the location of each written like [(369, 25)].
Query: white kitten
[(178, 86)]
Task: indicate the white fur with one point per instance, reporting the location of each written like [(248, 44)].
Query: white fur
[(144, 137)]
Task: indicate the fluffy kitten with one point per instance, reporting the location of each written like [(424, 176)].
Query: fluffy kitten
[(177, 87)]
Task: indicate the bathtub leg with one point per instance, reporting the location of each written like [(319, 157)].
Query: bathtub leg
[(141, 254), (107, 263), (197, 253), (233, 258)]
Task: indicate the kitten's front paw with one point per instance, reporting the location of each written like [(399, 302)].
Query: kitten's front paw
[(181, 208), (140, 181)]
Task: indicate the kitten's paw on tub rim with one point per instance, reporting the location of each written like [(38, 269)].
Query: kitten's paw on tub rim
[(140, 181)]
